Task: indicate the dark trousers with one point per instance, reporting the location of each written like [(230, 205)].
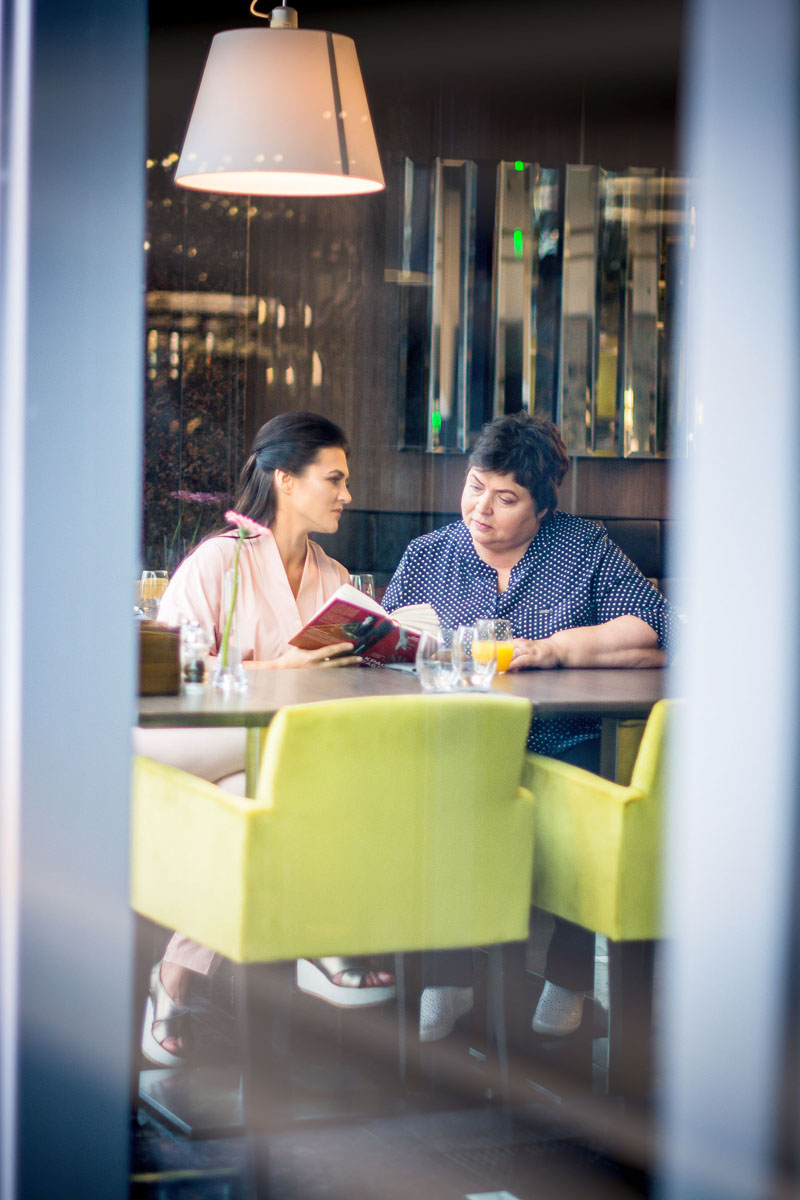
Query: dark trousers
[(570, 955)]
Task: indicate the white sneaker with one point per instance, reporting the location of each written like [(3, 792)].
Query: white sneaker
[(558, 1012), (440, 1008)]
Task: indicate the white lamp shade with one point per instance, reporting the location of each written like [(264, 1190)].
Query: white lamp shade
[(281, 112)]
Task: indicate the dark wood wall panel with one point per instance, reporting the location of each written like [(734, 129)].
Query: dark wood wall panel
[(615, 487)]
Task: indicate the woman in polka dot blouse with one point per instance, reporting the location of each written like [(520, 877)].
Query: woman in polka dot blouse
[(573, 600)]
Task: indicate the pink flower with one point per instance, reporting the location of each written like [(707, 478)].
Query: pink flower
[(200, 497), (210, 497), (246, 524)]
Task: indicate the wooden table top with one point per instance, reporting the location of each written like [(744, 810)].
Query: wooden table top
[(609, 693)]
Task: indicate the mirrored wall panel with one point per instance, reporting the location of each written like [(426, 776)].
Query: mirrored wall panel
[(576, 387), (452, 287), (605, 370), (513, 296), (410, 239), (433, 248), (526, 298)]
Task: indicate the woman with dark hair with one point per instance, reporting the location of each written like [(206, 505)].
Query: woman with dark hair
[(573, 600), (294, 483)]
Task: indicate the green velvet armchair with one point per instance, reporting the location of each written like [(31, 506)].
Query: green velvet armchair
[(379, 824)]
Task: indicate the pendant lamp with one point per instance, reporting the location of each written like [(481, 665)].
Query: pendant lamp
[(281, 112)]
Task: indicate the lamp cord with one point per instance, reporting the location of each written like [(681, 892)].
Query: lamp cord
[(283, 17)]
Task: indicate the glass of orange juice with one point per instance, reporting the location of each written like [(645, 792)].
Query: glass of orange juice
[(504, 644)]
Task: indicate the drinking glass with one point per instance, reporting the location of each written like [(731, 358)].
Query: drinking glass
[(484, 650), (196, 641), (365, 583), (504, 641), (474, 654), (434, 661), (149, 594), (162, 582)]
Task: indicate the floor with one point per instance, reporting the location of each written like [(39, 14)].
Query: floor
[(343, 1124)]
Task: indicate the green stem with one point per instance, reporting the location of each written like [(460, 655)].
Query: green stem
[(177, 529), (223, 650)]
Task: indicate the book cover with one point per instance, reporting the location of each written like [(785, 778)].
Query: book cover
[(350, 616)]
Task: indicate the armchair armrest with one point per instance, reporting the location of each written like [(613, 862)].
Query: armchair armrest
[(580, 842), (188, 844)]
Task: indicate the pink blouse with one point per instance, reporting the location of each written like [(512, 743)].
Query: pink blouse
[(268, 614)]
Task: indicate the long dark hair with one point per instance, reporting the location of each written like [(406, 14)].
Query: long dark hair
[(289, 443)]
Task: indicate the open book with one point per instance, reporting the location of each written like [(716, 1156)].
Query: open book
[(350, 616)]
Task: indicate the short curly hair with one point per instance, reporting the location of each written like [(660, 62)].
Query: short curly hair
[(529, 448)]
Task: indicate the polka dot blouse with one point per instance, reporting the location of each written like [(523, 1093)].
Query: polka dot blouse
[(572, 574)]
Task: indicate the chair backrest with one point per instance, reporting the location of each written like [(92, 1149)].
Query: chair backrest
[(390, 823), (599, 845)]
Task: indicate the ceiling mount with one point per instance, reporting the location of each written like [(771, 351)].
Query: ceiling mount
[(281, 112)]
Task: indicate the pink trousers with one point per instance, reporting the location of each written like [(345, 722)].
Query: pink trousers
[(218, 756)]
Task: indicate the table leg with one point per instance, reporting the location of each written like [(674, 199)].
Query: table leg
[(252, 762), (609, 743)]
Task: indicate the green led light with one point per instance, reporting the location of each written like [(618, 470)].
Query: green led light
[(436, 421), (518, 243), (519, 166)]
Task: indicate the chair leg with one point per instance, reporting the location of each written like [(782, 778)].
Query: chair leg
[(402, 1032), (496, 1015), (147, 938), (263, 1068), (630, 1033)]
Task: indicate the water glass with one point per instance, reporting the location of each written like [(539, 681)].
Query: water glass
[(364, 583), (474, 654), (196, 641), (484, 651), (434, 661)]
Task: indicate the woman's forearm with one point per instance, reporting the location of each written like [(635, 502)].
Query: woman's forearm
[(624, 642)]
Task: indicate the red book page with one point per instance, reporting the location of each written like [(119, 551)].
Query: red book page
[(344, 621)]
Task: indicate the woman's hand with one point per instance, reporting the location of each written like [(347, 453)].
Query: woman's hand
[(539, 652), (622, 642), (338, 655)]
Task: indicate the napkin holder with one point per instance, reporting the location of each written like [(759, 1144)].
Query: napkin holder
[(159, 659)]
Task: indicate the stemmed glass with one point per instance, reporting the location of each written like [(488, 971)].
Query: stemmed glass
[(364, 583), (152, 585)]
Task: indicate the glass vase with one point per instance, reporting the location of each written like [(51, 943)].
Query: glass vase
[(229, 675)]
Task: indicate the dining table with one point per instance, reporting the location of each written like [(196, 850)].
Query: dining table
[(613, 695)]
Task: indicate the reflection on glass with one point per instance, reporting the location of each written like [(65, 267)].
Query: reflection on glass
[(644, 223), (578, 309), (514, 252), (526, 288), (413, 275), (611, 292), (640, 395), (453, 268)]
